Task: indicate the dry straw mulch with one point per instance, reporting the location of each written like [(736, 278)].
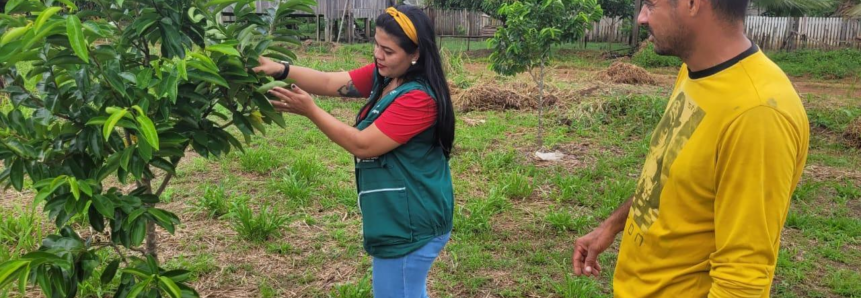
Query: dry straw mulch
[(625, 73), (853, 133)]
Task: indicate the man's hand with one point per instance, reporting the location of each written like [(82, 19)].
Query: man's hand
[(587, 249)]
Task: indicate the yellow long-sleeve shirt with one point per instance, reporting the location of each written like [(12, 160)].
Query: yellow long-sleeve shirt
[(715, 189)]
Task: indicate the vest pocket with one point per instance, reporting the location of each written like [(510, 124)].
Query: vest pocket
[(385, 214)]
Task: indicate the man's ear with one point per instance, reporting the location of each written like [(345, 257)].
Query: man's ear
[(695, 7)]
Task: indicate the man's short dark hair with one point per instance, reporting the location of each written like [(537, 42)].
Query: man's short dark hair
[(731, 10)]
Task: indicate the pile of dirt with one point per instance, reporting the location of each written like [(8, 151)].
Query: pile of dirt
[(853, 133), (625, 73), (491, 97)]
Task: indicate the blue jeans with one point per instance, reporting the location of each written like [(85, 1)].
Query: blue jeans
[(406, 277)]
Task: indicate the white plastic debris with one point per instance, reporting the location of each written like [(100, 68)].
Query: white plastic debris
[(550, 156)]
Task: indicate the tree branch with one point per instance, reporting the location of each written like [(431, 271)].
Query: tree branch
[(163, 185), (226, 125)]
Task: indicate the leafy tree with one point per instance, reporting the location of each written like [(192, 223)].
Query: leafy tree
[(617, 8), (489, 7), (533, 28), (122, 89)]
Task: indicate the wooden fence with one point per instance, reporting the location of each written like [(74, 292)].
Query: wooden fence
[(462, 22), (770, 33), (804, 33), (608, 30)]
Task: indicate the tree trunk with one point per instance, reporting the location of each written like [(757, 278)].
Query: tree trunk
[(541, 106), (635, 27), (151, 236)]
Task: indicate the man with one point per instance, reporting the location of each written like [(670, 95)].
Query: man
[(711, 201)]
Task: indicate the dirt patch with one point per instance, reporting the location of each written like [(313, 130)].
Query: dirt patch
[(853, 133), (825, 173), (625, 73), (492, 97)]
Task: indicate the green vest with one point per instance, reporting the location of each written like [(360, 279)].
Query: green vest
[(406, 195)]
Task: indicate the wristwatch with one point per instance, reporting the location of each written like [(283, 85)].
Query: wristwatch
[(285, 72)]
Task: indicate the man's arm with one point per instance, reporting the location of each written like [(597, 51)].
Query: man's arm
[(587, 248), (755, 174)]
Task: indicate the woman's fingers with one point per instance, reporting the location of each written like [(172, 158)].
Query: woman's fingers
[(280, 106), (281, 93)]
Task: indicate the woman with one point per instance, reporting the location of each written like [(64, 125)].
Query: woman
[(402, 141)]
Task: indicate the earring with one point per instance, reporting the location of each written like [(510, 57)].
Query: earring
[(414, 62)]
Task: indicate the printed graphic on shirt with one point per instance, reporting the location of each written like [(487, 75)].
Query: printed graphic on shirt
[(681, 119)]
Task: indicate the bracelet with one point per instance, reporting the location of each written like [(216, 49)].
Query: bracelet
[(285, 72)]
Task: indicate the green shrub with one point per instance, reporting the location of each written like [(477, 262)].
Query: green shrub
[(647, 57)]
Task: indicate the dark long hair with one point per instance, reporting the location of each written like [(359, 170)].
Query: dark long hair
[(428, 67)]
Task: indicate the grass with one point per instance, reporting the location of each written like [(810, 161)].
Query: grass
[(281, 219), (264, 225), (818, 64), (360, 289), (837, 64), (215, 201), (20, 231)]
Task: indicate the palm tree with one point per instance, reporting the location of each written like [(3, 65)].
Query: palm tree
[(850, 9)]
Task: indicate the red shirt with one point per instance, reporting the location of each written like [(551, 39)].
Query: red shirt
[(409, 115)]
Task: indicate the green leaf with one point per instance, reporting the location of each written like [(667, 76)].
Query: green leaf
[(138, 288), (22, 279), (86, 188), (73, 184), (169, 86), (98, 120), (110, 271), (144, 77), (195, 18), (225, 48), (110, 166), (145, 153), (112, 122), (202, 67), (178, 275), (97, 220), (208, 77), (170, 287), (129, 77), (48, 190), (148, 129), (13, 34), (134, 215), (137, 272), (42, 33), (218, 2), (17, 174), (126, 157), (164, 165), (268, 86), (181, 69), (138, 232), (9, 271), (76, 37), (104, 205), (164, 219), (45, 14), (70, 4), (138, 163)]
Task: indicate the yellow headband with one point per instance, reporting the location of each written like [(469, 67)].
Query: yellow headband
[(405, 24)]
